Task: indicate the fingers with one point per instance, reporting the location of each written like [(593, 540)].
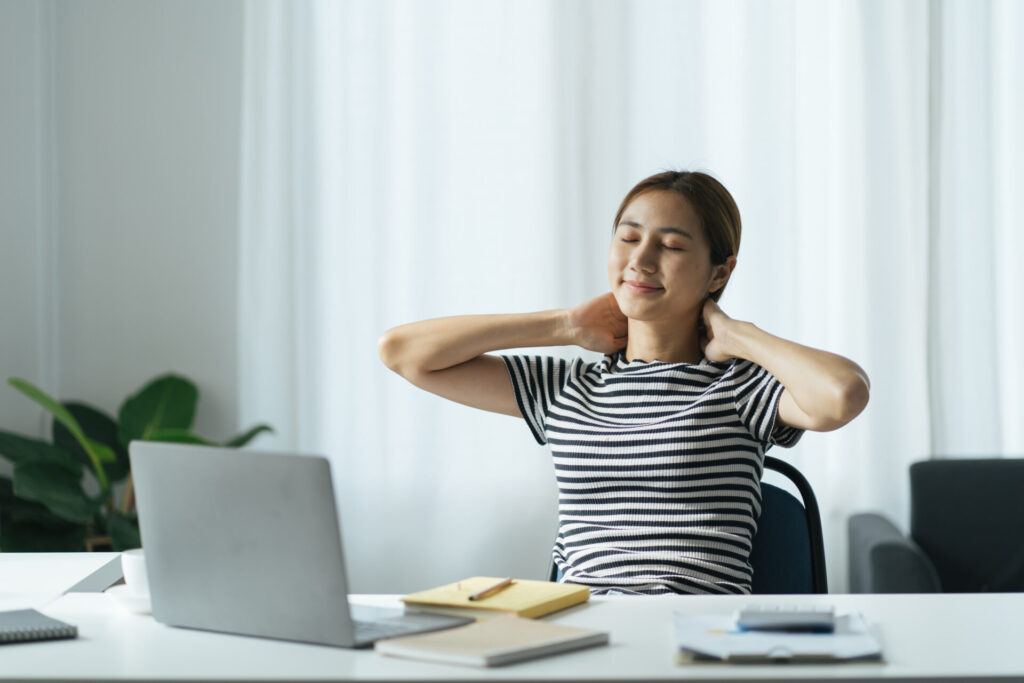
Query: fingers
[(613, 306), (713, 310)]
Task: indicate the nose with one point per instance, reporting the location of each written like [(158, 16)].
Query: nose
[(643, 258)]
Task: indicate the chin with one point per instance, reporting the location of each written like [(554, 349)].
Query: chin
[(640, 310), (644, 317), (637, 310)]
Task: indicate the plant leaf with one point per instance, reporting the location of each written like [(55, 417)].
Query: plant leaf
[(123, 531), (42, 398), (104, 453), (61, 414), (247, 436), (58, 486), (178, 436), (101, 429), (28, 527), (18, 448), (21, 510), (167, 402)]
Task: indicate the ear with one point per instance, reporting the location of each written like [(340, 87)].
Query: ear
[(720, 274)]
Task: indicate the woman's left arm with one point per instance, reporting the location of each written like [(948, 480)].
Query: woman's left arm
[(823, 391)]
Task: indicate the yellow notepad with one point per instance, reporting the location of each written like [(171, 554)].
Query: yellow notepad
[(524, 597), (494, 642)]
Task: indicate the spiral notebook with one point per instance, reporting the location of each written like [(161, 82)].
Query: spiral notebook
[(23, 625)]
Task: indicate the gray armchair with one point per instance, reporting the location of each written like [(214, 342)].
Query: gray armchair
[(966, 532)]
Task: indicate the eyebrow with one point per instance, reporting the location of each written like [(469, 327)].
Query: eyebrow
[(668, 229)]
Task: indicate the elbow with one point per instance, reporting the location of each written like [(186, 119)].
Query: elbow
[(396, 351), (855, 397), (388, 348), (834, 404), (851, 398)]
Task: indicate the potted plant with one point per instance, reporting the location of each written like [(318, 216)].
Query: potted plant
[(61, 496)]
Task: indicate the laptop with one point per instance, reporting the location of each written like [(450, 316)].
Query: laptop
[(249, 543)]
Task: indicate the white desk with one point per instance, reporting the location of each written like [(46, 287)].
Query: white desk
[(954, 637), (34, 579)]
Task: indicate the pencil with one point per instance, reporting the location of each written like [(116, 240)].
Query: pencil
[(491, 590)]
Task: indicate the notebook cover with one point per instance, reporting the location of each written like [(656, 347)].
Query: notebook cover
[(23, 625), (494, 642), (524, 598)]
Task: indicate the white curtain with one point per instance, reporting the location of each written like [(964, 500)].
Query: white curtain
[(405, 160)]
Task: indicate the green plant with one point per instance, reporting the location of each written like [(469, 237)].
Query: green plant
[(45, 506)]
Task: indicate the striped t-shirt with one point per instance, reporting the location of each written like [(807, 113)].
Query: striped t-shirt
[(658, 467)]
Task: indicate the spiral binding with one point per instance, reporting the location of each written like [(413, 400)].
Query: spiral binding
[(17, 627)]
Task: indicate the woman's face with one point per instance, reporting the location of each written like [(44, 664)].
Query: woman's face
[(659, 263)]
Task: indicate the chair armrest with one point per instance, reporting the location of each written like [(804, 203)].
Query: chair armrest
[(883, 560)]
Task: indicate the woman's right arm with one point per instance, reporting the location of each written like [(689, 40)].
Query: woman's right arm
[(447, 356)]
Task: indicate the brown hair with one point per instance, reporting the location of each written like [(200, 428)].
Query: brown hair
[(717, 210)]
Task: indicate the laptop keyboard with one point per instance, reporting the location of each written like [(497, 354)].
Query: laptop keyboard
[(374, 630)]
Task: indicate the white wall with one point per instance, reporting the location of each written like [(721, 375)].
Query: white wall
[(24, 226), (119, 256)]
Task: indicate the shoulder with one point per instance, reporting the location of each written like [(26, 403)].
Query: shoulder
[(554, 369), (741, 368), (740, 375)]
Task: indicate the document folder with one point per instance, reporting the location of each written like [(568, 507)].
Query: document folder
[(716, 638)]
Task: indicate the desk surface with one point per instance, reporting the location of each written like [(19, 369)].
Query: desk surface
[(966, 637), (34, 579)]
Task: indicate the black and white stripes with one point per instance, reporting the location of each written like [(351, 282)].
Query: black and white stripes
[(658, 467)]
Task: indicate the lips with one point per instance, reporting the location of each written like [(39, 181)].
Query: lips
[(642, 287)]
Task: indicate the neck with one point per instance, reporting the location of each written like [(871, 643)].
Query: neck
[(666, 341)]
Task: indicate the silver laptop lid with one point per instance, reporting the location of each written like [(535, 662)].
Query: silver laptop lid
[(242, 541)]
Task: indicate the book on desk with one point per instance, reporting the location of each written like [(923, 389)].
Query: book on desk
[(492, 642)]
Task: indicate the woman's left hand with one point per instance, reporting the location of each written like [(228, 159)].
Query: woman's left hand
[(823, 391), (715, 327)]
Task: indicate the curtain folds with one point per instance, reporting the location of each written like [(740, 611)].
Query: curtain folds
[(406, 160)]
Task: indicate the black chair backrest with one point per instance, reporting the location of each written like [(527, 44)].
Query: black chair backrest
[(788, 551), (967, 515)]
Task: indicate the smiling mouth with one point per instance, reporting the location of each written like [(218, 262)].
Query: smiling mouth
[(642, 287)]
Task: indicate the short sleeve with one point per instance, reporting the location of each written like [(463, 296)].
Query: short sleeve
[(757, 393), (536, 381)]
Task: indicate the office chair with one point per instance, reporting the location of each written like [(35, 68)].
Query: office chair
[(966, 531), (788, 553)]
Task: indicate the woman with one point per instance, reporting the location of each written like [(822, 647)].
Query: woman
[(659, 447)]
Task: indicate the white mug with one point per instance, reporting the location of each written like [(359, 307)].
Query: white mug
[(133, 566)]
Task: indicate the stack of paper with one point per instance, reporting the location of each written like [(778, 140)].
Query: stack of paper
[(493, 642), (718, 638), (524, 598)]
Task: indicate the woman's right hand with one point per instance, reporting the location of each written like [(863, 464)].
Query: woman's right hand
[(598, 324)]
